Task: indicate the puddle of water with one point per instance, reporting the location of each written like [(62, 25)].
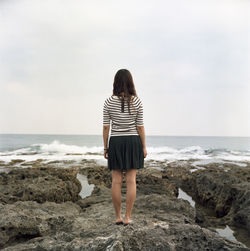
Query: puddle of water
[(185, 196), (237, 163), (227, 232), (238, 234), (200, 168), (86, 187), (206, 161), (193, 170), (197, 168), (209, 161), (157, 168), (4, 170), (101, 162)]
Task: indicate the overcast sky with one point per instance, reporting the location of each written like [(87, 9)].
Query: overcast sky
[(190, 62)]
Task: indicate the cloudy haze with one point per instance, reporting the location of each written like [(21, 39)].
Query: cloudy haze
[(189, 61)]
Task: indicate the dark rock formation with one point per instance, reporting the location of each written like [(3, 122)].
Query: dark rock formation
[(226, 192), (221, 188)]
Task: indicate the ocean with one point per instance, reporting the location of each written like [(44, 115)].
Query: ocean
[(30, 147)]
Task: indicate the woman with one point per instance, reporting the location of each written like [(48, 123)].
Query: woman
[(126, 148)]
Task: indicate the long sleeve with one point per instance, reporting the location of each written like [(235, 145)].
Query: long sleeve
[(106, 115), (139, 119)]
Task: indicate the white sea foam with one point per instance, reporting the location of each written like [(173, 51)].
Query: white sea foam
[(57, 147), (59, 151)]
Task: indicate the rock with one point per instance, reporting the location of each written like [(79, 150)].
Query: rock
[(240, 211), (160, 223), (39, 184), (200, 217), (226, 192), (25, 220), (160, 220), (16, 161), (148, 181), (177, 172), (151, 181), (99, 175)]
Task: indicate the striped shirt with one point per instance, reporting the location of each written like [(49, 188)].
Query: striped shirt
[(123, 123)]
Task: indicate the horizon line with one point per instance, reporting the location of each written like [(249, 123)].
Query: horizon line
[(156, 135)]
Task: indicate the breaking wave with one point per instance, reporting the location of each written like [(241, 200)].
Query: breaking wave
[(59, 151)]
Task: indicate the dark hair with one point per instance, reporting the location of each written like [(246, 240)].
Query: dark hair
[(123, 82)]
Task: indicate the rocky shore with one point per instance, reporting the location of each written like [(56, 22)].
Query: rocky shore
[(41, 207)]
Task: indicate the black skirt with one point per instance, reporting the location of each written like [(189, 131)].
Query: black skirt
[(125, 152)]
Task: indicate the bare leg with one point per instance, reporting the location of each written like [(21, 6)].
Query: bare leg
[(131, 193), (116, 193)]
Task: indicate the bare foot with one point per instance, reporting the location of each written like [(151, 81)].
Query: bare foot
[(118, 220), (127, 221)]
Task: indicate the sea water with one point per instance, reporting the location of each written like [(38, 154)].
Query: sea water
[(162, 148)]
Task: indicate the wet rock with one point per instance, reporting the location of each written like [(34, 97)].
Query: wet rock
[(32, 163), (200, 217), (225, 189), (151, 181), (16, 161), (177, 172), (240, 211)]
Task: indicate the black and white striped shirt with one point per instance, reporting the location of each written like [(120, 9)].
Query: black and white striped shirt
[(123, 123)]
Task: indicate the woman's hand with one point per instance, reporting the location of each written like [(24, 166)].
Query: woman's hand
[(105, 154), (145, 152)]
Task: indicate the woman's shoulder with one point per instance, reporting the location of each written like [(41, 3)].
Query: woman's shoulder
[(109, 99), (137, 100)]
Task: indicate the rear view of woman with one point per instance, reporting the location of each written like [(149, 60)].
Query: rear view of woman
[(126, 148)]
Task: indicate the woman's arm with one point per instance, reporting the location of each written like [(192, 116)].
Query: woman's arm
[(105, 139), (141, 131)]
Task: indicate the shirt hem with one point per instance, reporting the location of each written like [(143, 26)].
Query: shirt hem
[(123, 135)]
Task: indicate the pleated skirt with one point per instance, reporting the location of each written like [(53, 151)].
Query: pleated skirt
[(125, 152)]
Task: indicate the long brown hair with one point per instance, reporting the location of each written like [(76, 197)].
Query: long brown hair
[(123, 82)]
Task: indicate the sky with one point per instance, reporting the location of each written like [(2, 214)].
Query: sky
[(189, 59)]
